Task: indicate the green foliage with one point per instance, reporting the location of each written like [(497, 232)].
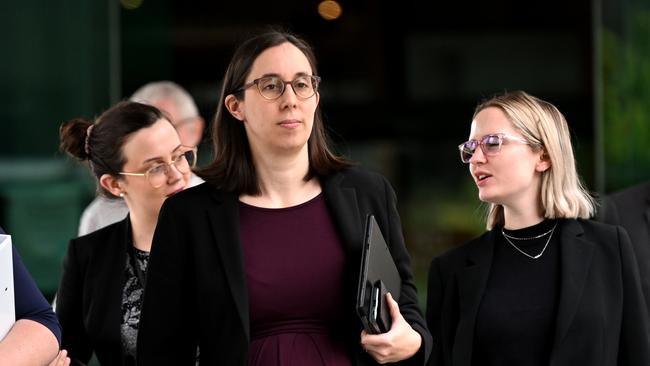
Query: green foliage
[(626, 100)]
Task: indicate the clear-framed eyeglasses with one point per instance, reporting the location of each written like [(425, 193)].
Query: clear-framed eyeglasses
[(272, 87), (184, 159), (490, 145)]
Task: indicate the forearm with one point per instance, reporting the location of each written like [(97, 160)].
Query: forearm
[(28, 343)]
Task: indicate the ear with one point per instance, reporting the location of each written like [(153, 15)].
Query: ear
[(111, 184), (317, 98), (544, 162), (234, 106), (200, 125)]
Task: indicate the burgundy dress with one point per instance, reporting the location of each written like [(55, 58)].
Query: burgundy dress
[(294, 263)]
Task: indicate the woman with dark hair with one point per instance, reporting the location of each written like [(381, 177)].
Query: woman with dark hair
[(259, 266), (135, 153)]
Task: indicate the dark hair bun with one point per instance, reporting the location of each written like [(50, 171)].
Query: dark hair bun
[(73, 137)]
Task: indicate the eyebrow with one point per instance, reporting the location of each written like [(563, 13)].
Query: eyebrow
[(298, 74), (159, 158)]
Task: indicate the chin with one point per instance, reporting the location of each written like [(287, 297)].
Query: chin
[(488, 197), (483, 196)]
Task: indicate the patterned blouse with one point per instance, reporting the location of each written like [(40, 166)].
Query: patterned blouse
[(132, 302)]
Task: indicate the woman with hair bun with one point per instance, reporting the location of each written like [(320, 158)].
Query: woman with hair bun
[(135, 153)]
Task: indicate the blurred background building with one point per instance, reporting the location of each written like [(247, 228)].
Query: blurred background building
[(400, 82)]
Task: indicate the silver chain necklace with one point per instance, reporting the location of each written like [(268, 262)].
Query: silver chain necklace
[(508, 237)]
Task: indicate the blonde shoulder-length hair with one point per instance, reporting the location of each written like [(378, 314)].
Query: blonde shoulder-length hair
[(541, 123)]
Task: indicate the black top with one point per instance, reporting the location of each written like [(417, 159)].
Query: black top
[(515, 321), (28, 300), (601, 317)]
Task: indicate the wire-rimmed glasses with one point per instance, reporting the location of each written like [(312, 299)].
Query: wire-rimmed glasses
[(184, 159), (272, 87)]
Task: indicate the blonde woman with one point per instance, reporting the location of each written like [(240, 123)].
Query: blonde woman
[(543, 286)]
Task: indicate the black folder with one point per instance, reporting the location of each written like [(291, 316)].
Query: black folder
[(377, 276)]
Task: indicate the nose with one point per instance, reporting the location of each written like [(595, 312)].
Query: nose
[(173, 174), (288, 99), (478, 157)]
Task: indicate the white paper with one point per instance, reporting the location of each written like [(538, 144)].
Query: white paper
[(7, 306)]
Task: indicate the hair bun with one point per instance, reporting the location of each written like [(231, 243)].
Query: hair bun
[(73, 135)]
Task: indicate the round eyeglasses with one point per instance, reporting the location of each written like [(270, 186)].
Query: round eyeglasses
[(490, 145), (272, 87), (184, 160)]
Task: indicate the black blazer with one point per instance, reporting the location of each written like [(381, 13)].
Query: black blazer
[(196, 291), (601, 317), (89, 299), (630, 208)]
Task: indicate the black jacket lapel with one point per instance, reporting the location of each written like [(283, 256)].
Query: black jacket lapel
[(342, 202), (106, 316), (471, 286), (224, 219), (576, 257)]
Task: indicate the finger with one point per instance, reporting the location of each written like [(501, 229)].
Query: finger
[(394, 307), (62, 358)]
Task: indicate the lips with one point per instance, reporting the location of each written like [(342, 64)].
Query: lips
[(481, 177), (290, 123)]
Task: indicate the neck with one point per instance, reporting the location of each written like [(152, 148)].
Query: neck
[(518, 218), (282, 181), (142, 228)]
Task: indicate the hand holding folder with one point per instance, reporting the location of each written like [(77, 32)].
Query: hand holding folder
[(378, 275)]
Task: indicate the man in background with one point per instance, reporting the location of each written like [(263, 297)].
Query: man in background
[(630, 208), (178, 105)]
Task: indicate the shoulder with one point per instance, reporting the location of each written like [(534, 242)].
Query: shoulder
[(593, 229), (460, 255), (606, 239), (102, 238), (359, 177), (196, 195), (463, 249), (632, 194), (195, 200)]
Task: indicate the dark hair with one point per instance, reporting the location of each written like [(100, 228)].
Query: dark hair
[(102, 144), (232, 168)]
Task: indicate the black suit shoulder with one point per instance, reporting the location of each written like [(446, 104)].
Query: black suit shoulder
[(598, 231), (626, 206), (632, 194), (372, 189), (103, 241), (459, 254), (363, 177)]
